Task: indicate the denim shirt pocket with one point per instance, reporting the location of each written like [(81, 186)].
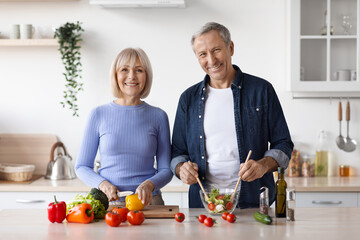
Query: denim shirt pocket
[(257, 119)]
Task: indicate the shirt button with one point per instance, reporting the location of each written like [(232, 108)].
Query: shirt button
[(202, 157), (200, 136), (199, 116), (202, 98), (203, 178), (203, 89), (257, 109)]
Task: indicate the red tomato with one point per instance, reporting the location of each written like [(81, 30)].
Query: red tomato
[(122, 212), (135, 217), (211, 206), (224, 215), (220, 197), (229, 206), (179, 217), (231, 218), (112, 219), (209, 222), (201, 218)]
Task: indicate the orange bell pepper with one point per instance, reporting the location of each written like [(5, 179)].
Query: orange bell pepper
[(82, 213)]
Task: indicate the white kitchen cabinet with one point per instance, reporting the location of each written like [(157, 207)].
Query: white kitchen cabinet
[(316, 49), (327, 199), (33, 200)]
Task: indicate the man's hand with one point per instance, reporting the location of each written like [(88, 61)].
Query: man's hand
[(187, 173), (252, 170), (110, 190), (144, 191)]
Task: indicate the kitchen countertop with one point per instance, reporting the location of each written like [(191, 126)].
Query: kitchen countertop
[(300, 184), (319, 223), (324, 184)]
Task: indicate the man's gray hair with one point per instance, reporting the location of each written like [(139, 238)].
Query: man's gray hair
[(223, 31)]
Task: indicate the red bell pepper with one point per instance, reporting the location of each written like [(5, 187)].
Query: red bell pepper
[(56, 211)]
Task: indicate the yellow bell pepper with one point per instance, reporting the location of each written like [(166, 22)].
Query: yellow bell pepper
[(133, 203)]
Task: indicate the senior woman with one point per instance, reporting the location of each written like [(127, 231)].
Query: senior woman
[(129, 134)]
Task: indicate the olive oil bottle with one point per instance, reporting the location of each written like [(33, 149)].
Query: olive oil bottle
[(280, 195)]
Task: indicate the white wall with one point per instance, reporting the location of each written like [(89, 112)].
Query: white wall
[(31, 81)]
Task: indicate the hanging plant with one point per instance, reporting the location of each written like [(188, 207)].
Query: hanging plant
[(69, 38)]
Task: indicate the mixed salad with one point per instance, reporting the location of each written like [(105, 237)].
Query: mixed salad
[(219, 203)]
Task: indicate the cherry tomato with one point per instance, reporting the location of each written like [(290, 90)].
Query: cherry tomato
[(122, 211), (201, 218), (179, 217), (211, 206), (224, 215), (209, 222), (229, 206), (231, 218), (135, 217), (113, 219), (220, 197)]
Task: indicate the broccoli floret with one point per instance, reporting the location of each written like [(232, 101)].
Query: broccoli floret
[(101, 196)]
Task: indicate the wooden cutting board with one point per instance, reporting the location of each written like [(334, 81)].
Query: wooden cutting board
[(167, 211)]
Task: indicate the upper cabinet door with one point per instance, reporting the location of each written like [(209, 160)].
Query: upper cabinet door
[(324, 55)]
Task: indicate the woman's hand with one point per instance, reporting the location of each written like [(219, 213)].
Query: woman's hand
[(144, 190), (110, 190)]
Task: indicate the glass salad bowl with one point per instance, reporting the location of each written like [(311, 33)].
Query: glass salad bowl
[(219, 200)]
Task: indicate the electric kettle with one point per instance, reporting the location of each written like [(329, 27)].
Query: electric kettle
[(60, 167)]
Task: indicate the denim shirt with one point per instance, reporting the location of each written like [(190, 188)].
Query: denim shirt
[(259, 122)]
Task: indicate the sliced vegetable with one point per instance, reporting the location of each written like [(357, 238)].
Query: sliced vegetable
[(211, 206), (263, 218), (219, 203)]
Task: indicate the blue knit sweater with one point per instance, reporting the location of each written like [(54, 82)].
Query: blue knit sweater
[(129, 138)]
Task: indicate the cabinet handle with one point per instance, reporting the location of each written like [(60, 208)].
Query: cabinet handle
[(29, 201), (326, 202)]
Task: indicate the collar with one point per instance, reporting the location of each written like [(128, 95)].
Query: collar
[(237, 82)]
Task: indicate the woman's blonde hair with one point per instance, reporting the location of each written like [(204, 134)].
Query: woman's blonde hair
[(129, 56)]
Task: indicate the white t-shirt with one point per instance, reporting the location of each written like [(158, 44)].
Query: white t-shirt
[(223, 162)]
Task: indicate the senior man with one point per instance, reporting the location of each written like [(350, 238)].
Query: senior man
[(221, 118)]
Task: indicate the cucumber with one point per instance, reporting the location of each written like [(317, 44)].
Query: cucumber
[(263, 218)]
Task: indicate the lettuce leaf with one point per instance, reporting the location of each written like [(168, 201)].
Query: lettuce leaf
[(99, 209)]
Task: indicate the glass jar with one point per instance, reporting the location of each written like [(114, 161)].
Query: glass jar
[(290, 205), (308, 166), (344, 170), (294, 168), (264, 200)]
